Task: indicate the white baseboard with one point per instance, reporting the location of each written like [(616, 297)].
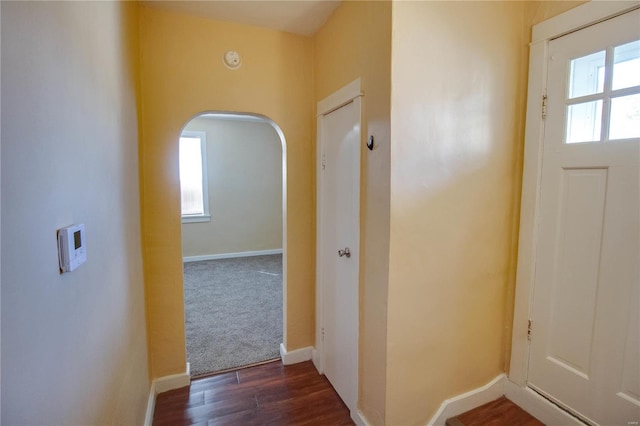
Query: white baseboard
[(164, 384), (539, 407), (295, 356), (360, 419), (151, 405), (175, 381), (230, 255), (469, 400), (525, 398), (315, 358)]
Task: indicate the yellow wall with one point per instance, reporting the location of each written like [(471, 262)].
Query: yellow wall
[(459, 86), (73, 345), (459, 94), (538, 11), (456, 128), (183, 75), (356, 42)]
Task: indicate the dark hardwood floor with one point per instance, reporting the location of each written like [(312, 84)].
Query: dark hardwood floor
[(268, 394), (500, 412)]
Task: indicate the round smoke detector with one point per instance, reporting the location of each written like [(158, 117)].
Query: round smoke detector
[(231, 59)]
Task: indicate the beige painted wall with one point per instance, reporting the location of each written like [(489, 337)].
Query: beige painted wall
[(457, 138), (456, 128), (538, 11), (244, 168), (182, 76), (73, 345), (356, 42)]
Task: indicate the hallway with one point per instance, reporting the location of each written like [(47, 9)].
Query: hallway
[(266, 394)]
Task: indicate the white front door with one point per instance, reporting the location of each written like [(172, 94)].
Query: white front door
[(585, 339), (338, 246)]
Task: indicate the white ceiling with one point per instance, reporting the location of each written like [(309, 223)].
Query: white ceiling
[(303, 17)]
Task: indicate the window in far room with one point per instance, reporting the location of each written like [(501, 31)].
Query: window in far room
[(193, 177)]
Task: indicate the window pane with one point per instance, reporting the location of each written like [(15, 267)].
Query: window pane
[(583, 122), (191, 176), (626, 65), (625, 117), (587, 75)]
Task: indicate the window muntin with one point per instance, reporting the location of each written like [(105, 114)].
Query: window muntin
[(603, 95)]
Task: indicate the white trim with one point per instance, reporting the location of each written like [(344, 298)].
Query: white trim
[(231, 255), (234, 117), (315, 358), (572, 20), (318, 360), (360, 419), (532, 167), (164, 384), (350, 93), (537, 406), (339, 98), (174, 381), (469, 400), (206, 215), (295, 356), (192, 218), (151, 405), (580, 17)]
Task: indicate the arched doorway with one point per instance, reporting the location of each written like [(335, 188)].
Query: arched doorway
[(233, 198)]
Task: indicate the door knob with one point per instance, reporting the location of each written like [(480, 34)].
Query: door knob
[(345, 252)]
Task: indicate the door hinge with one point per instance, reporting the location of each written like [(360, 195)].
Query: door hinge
[(323, 162), (529, 330), (322, 334), (544, 105)]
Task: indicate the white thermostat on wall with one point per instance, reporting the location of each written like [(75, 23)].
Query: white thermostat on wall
[(72, 250)]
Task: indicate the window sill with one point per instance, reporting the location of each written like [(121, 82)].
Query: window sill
[(198, 218)]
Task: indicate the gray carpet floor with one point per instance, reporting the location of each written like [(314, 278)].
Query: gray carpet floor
[(233, 312)]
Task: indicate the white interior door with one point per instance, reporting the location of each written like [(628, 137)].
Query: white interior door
[(585, 340), (338, 238)]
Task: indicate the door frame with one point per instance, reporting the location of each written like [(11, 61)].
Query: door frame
[(250, 116), (570, 21), (349, 93)]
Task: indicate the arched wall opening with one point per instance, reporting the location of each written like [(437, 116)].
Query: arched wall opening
[(184, 75), (237, 227)]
